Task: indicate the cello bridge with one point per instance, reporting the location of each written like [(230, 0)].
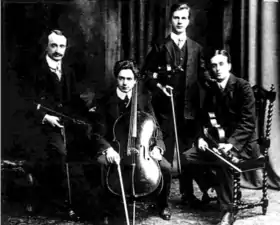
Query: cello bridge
[(132, 150)]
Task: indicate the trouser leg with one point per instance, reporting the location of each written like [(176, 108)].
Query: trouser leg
[(108, 201), (52, 176), (215, 174), (224, 187), (167, 177)]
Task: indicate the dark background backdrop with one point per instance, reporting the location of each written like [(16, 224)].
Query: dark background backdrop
[(99, 33)]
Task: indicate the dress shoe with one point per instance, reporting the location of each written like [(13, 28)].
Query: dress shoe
[(29, 209), (165, 213), (105, 220), (72, 215), (206, 199), (228, 219), (191, 201)]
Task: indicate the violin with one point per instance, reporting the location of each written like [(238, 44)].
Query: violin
[(214, 135), (164, 73)]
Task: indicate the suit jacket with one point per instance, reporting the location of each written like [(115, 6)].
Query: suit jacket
[(63, 98), (161, 54), (235, 112), (108, 111)]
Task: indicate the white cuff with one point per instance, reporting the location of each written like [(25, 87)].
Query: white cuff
[(44, 119)]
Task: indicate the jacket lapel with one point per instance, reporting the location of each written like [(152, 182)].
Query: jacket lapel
[(168, 46), (230, 85), (191, 51), (113, 105), (227, 94), (65, 74)]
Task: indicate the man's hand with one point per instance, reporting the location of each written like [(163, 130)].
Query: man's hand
[(225, 148), (155, 154), (112, 156), (202, 144), (87, 97), (52, 120), (165, 89)]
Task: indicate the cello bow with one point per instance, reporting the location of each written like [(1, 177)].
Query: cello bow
[(123, 194)]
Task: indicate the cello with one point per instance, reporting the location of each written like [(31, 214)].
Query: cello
[(134, 135)]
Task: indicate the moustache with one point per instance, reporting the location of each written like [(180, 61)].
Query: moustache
[(57, 54)]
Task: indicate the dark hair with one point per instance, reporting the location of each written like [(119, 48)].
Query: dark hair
[(178, 6), (126, 64), (45, 37), (222, 52), (44, 40), (58, 32)]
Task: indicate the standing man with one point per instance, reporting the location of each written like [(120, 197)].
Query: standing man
[(111, 107), (183, 57), (232, 100), (54, 87)]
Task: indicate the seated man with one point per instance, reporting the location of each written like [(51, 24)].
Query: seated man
[(232, 100), (114, 105)]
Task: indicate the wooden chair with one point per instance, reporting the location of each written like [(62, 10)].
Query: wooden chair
[(264, 109), (20, 168)]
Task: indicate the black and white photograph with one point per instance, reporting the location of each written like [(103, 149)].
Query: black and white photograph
[(140, 112)]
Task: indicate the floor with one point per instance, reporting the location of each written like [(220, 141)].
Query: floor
[(12, 213)]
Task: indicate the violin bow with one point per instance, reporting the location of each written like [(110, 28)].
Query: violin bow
[(123, 194), (59, 114), (175, 131), (216, 153)]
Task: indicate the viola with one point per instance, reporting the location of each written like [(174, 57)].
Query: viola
[(214, 135)]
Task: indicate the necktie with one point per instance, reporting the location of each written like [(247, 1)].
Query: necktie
[(180, 42), (58, 72), (220, 87), (126, 101)]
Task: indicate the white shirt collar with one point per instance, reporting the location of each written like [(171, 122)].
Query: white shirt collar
[(53, 64), (224, 82), (122, 95), (176, 37)]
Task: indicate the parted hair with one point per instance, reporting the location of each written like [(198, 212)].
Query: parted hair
[(178, 6), (221, 52), (126, 64)]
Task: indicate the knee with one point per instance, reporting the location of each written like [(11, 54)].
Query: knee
[(165, 166), (190, 155), (102, 160)]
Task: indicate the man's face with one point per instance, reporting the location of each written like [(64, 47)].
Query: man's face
[(180, 21), (126, 80), (220, 67), (56, 46)]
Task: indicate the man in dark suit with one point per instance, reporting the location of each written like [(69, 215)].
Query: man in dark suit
[(232, 101), (53, 85), (111, 107), (184, 59)]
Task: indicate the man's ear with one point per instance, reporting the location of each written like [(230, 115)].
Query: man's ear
[(229, 66)]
